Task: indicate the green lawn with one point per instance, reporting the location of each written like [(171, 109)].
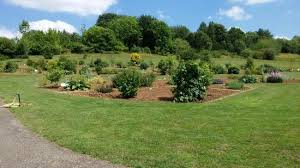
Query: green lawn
[(260, 128), (285, 61)]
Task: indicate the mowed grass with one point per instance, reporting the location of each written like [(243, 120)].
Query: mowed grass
[(284, 61), (260, 128)]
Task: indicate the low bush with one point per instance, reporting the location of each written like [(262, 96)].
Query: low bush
[(81, 62), (269, 54), (233, 70), (99, 65), (147, 79), (166, 66), (121, 65), (30, 63), (110, 71), (100, 85), (236, 85), (247, 53), (218, 81), (128, 82), (274, 77), (144, 66), (67, 64), (76, 82), (41, 64), (10, 67), (54, 76), (85, 71), (219, 69), (248, 79), (191, 82)]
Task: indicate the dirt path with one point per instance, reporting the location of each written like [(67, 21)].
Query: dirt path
[(20, 148)]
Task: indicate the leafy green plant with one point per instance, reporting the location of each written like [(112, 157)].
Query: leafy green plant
[(76, 82), (54, 76), (67, 64), (10, 67), (166, 66), (128, 82), (144, 65), (85, 71), (235, 85), (191, 82), (248, 79), (147, 79)]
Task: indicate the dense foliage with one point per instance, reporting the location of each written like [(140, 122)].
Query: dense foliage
[(191, 82)]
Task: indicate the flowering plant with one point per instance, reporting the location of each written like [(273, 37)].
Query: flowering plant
[(274, 77)]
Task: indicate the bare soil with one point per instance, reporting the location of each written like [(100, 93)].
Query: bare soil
[(160, 91)]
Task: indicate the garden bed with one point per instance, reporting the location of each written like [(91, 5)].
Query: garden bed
[(160, 91)]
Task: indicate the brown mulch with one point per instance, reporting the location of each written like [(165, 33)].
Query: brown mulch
[(160, 91), (292, 81)]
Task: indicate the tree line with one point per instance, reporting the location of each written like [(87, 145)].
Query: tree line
[(121, 33)]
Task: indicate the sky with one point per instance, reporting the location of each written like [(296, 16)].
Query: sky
[(281, 17)]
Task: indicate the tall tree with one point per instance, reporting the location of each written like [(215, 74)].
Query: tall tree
[(264, 33), (24, 27), (105, 18), (180, 32), (127, 30), (217, 33)]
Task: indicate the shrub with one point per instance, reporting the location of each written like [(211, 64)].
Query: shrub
[(147, 79), (110, 71), (100, 85), (10, 67), (66, 64), (41, 64), (136, 49), (135, 58), (236, 85), (191, 82), (248, 79), (219, 69), (247, 53), (144, 66), (121, 65), (233, 70), (218, 81), (147, 50), (128, 82), (54, 76), (81, 62), (249, 65), (274, 77), (269, 54), (30, 63), (100, 63), (85, 71), (166, 66), (76, 82)]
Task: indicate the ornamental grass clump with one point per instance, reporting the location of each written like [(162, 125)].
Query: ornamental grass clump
[(274, 77)]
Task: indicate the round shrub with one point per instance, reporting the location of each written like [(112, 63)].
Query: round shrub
[(147, 79), (144, 66), (219, 69), (166, 66), (54, 76), (248, 79), (10, 67), (30, 63), (85, 71), (233, 70), (135, 58), (41, 64), (81, 62), (128, 82), (269, 54), (66, 64), (191, 82), (274, 77), (235, 85)]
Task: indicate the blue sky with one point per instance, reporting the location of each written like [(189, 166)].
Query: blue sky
[(280, 16)]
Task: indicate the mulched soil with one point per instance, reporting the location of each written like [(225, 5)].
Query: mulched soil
[(160, 91), (292, 81)]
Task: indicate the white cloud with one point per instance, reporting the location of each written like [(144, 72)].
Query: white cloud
[(282, 37), (4, 32), (45, 25), (79, 7), (251, 2), (236, 13), (162, 15)]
